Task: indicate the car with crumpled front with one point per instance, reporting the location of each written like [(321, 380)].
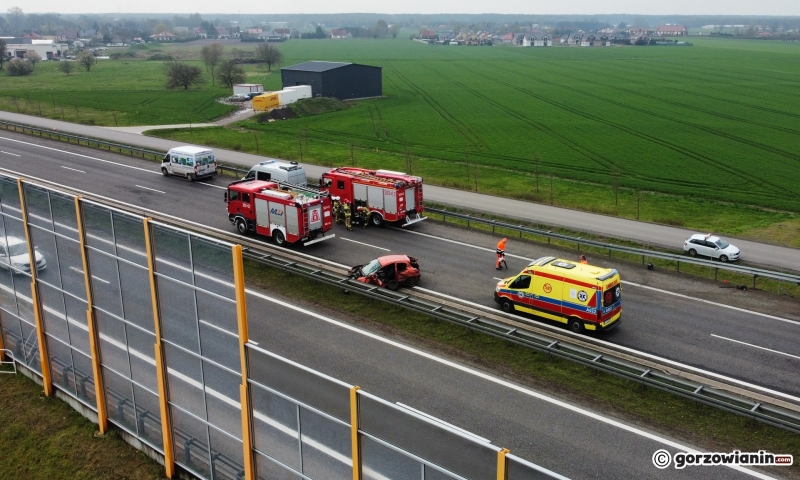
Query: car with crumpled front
[(390, 271)]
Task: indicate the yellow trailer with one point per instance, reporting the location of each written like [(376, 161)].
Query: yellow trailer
[(266, 101)]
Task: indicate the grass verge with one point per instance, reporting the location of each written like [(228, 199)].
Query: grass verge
[(43, 438), (704, 426)]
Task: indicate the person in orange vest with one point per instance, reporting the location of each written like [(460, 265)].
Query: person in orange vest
[(583, 260), (501, 254)]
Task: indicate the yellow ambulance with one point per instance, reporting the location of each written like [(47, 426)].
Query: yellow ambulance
[(582, 296)]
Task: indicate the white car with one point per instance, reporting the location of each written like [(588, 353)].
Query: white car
[(14, 252), (711, 246)]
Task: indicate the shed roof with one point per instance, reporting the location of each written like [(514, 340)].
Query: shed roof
[(315, 66)]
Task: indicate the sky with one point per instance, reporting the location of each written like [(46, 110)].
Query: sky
[(534, 7)]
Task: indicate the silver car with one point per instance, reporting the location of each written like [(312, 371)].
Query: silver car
[(711, 246), (14, 254)]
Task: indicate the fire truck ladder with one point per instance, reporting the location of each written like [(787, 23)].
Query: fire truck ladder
[(412, 220), (313, 191)]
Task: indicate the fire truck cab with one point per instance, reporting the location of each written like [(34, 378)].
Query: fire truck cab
[(287, 213), (390, 196)]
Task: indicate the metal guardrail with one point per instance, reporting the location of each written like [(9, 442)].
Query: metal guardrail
[(755, 272), (746, 403)]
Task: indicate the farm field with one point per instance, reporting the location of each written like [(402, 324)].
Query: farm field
[(702, 136)]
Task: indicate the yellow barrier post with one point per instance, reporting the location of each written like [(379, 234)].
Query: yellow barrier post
[(501, 464), (44, 359), (354, 436), (161, 372), (102, 416), (244, 390)]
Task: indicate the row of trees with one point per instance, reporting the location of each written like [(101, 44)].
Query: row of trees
[(227, 71)]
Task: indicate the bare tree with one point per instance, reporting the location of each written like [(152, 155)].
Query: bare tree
[(394, 30), (3, 48), (87, 59), (33, 57), (212, 55), (230, 73), (182, 75), (268, 54), (65, 66)]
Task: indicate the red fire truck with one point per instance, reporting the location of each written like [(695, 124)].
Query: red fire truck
[(390, 196), (287, 213)]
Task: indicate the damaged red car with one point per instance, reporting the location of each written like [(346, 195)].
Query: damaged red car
[(389, 271)]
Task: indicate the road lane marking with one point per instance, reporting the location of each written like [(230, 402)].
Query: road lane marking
[(73, 169), (442, 422), (232, 334), (366, 244), (148, 188), (80, 272), (756, 346), (501, 382), (9, 153)]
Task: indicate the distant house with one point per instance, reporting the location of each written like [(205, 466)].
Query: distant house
[(66, 35), (584, 39), (339, 33), (427, 34), (638, 32), (254, 31), (32, 35), (163, 37), (671, 31), (223, 33), (508, 38), (283, 32)]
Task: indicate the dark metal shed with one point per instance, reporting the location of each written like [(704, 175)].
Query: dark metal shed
[(341, 80)]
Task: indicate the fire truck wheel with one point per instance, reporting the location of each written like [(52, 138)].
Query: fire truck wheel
[(392, 284), (576, 325), (241, 227), (164, 172), (377, 220), (280, 240), (411, 282), (507, 306)]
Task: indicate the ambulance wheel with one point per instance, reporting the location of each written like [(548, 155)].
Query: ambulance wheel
[(190, 177), (280, 240), (411, 282), (392, 284), (506, 306), (241, 227), (576, 325), (164, 172), (377, 220), (692, 252)]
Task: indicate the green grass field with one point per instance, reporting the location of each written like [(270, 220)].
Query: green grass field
[(708, 133)]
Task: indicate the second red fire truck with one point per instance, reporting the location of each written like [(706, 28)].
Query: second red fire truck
[(286, 213), (390, 196)]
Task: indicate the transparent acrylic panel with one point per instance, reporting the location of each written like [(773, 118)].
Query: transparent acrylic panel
[(9, 196), (434, 474), (136, 299), (54, 313), (44, 245), (25, 305), (227, 455), (70, 264), (105, 283), (185, 380), (64, 215), (84, 376), (129, 232), (148, 416), (308, 387), (172, 253), (77, 324), (190, 442), (435, 444), (327, 445), (178, 315), (275, 429), (119, 400), (519, 469), (14, 231), (12, 335), (112, 344), (97, 227), (62, 371), (37, 202), (213, 266), (30, 348), (8, 298), (222, 399), (379, 462), (219, 336), (141, 347), (267, 469)]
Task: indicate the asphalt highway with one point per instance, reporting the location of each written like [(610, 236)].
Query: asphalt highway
[(459, 263), (613, 227)]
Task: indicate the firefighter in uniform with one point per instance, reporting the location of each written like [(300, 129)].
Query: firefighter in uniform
[(337, 210), (501, 254), (347, 216), (365, 214)]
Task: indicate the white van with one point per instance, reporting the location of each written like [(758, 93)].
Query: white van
[(189, 162), (276, 171)]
